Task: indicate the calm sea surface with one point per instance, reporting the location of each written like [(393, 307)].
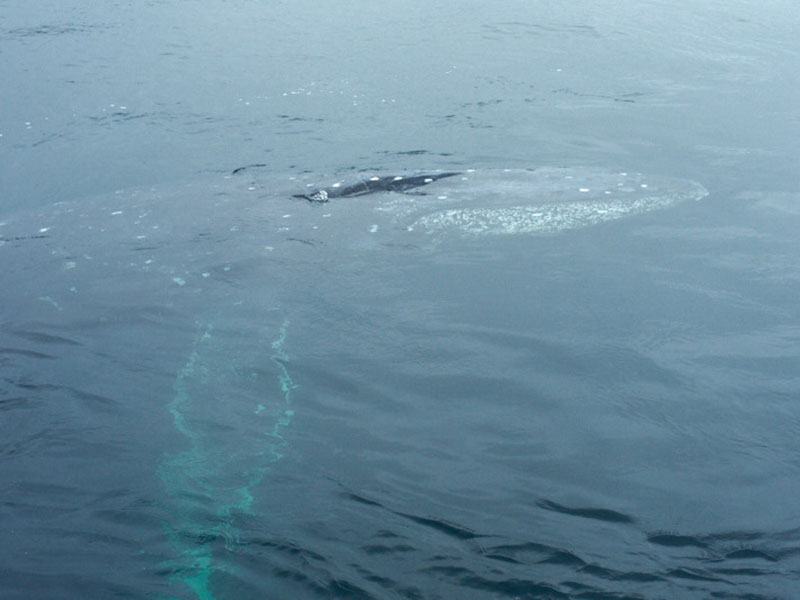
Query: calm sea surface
[(211, 390)]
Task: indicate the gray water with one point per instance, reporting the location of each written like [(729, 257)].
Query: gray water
[(211, 389)]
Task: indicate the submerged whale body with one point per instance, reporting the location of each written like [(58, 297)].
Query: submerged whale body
[(503, 201), (388, 183), (191, 233), (247, 214)]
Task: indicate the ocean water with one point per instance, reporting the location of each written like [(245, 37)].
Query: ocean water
[(570, 370)]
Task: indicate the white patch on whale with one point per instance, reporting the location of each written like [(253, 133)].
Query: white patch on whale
[(546, 200)]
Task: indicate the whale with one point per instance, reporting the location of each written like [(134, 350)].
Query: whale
[(189, 302)]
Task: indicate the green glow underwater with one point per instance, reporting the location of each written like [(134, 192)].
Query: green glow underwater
[(208, 485)]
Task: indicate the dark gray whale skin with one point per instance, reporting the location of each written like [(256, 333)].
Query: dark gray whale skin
[(388, 183)]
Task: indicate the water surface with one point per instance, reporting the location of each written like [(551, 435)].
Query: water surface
[(287, 404)]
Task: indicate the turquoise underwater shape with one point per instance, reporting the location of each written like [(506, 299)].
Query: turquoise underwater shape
[(189, 476)]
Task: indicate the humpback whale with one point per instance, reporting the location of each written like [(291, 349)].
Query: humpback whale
[(494, 201)]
